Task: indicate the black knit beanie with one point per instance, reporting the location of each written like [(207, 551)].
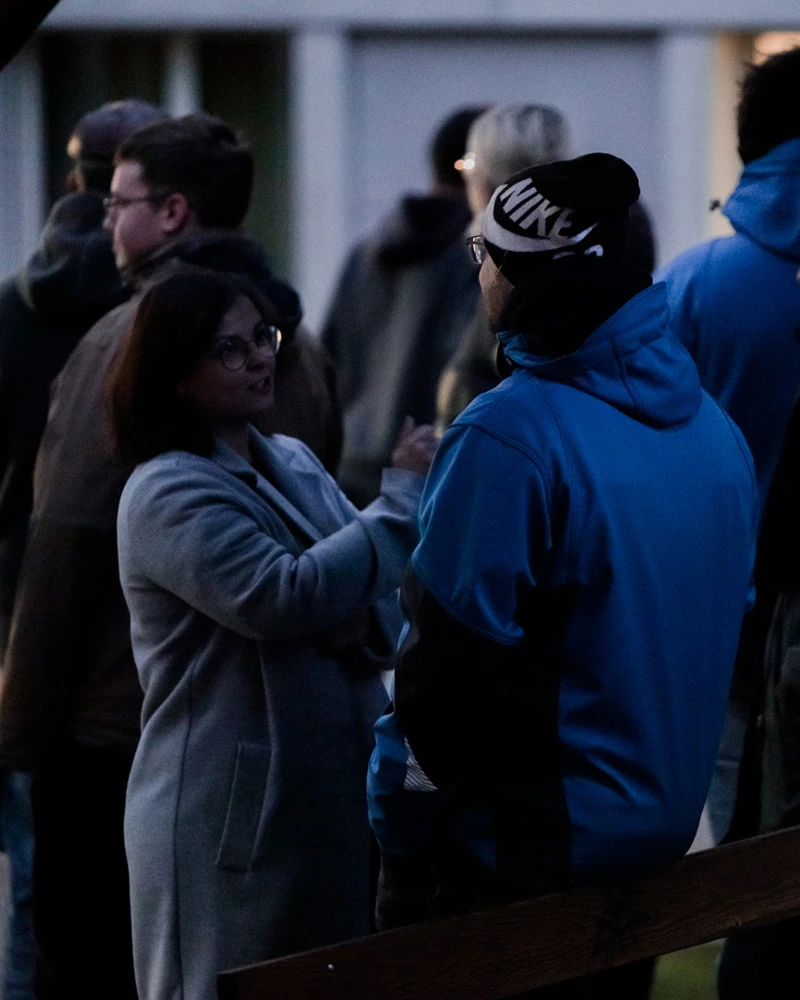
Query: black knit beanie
[(559, 211)]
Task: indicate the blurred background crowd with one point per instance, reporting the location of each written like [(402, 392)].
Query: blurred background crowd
[(338, 101)]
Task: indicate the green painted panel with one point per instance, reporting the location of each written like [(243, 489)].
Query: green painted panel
[(245, 83), (83, 70)]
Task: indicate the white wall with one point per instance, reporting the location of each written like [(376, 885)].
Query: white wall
[(320, 116), (21, 159), (684, 104), (403, 87), (729, 14)]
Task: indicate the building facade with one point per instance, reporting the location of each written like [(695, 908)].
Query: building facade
[(339, 98)]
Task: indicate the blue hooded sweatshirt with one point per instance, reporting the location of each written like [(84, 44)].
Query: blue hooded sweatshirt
[(735, 304), (574, 608)]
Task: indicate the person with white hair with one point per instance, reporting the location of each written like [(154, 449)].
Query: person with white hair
[(503, 140), (506, 139)]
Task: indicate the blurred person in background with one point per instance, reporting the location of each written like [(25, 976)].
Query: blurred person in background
[(735, 304), (402, 300), (503, 141), (71, 702), (45, 309), (263, 608)]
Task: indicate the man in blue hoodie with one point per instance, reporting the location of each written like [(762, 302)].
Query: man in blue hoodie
[(735, 304), (575, 601)]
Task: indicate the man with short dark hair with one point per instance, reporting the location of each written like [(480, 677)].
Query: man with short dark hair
[(197, 157), (575, 600), (178, 195), (403, 297), (71, 702), (45, 309)]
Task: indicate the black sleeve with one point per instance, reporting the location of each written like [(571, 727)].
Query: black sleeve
[(470, 705)]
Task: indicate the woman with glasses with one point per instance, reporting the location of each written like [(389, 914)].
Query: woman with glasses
[(262, 611)]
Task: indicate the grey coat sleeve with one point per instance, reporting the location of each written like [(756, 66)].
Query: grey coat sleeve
[(179, 530)]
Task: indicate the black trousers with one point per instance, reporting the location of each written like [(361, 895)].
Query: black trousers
[(410, 891), (81, 899)]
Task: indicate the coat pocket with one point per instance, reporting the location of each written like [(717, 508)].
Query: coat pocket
[(244, 807)]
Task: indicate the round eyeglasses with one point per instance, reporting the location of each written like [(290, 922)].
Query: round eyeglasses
[(477, 247), (234, 352)]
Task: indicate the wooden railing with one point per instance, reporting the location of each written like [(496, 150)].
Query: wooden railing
[(505, 951)]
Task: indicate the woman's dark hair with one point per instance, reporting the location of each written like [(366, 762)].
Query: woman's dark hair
[(173, 327)]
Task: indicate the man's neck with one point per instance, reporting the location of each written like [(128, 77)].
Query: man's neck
[(142, 268)]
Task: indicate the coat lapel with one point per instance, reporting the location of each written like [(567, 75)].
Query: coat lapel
[(272, 486)]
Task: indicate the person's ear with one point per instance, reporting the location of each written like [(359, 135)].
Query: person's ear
[(74, 182), (175, 213)]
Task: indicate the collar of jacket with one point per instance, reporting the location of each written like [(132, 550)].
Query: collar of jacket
[(422, 226), (284, 483), (228, 252), (766, 203), (632, 362), (71, 279), (648, 308), (556, 308)]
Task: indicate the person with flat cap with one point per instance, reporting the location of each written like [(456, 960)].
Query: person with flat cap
[(69, 282), (575, 600)]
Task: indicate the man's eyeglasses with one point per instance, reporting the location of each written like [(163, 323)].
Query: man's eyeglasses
[(477, 248), (234, 352), (113, 202)]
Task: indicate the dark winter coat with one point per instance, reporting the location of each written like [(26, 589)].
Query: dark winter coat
[(69, 669), (402, 301), (68, 284)]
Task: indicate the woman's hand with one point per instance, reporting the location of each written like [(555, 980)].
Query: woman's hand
[(415, 447)]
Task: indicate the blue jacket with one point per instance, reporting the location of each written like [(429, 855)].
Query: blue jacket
[(575, 601), (735, 304)]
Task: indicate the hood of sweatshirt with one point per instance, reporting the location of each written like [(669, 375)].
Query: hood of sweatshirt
[(766, 203), (631, 362), (421, 227), (228, 252), (71, 279)]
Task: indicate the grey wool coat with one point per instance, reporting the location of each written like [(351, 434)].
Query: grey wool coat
[(245, 827)]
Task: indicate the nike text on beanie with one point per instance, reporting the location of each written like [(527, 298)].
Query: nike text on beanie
[(560, 211)]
